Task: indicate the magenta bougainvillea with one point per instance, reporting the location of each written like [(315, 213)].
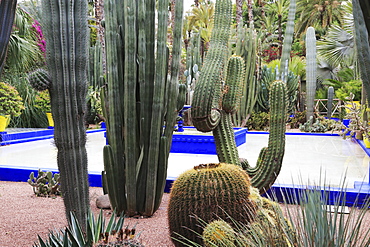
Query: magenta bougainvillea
[(39, 36)]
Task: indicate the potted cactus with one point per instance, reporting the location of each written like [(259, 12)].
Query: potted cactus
[(10, 104)]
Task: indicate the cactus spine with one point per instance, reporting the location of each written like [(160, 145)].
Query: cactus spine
[(200, 194), (139, 101), (310, 71), (7, 12), (66, 32), (205, 109)]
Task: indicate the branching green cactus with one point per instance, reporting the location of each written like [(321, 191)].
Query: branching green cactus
[(205, 110), (269, 162), (67, 36), (141, 102), (7, 12), (212, 107)]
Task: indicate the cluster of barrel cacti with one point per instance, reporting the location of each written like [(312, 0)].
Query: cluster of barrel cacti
[(141, 102), (218, 202), (269, 227), (206, 193)]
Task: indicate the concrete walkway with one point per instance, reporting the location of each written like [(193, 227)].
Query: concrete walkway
[(308, 160)]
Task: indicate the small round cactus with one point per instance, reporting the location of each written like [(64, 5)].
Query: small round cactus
[(39, 80), (218, 233)]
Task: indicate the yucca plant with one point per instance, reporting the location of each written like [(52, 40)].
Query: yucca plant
[(98, 233)]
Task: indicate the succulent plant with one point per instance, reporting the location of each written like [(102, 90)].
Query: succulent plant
[(39, 79), (98, 233), (42, 101), (208, 192), (10, 101), (218, 233), (45, 184), (141, 102)]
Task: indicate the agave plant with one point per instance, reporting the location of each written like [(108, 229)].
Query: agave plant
[(98, 233)]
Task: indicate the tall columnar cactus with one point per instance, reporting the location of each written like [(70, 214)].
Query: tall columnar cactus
[(288, 36), (7, 12), (206, 193), (264, 174), (207, 94), (141, 102), (361, 14), (67, 36), (330, 101), (311, 68), (246, 47), (227, 150)]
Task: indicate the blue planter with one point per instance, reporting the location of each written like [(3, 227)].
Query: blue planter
[(201, 143)]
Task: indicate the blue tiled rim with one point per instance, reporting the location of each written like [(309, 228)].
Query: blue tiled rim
[(356, 196)]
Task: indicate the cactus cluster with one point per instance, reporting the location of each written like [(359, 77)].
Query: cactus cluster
[(215, 100), (45, 184), (269, 227), (208, 192), (141, 102)]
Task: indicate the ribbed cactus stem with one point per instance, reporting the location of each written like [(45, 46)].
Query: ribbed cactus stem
[(7, 13), (311, 67), (207, 93), (288, 37), (330, 101), (140, 102), (39, 80), (66, 33), (269, 162), (361, 14), (226, 148)]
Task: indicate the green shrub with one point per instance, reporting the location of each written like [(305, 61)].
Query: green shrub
[(258, 121), (10, 101)]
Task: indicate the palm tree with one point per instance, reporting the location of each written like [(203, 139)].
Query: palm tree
[(320, 14), (23, 51), (279, 9)]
